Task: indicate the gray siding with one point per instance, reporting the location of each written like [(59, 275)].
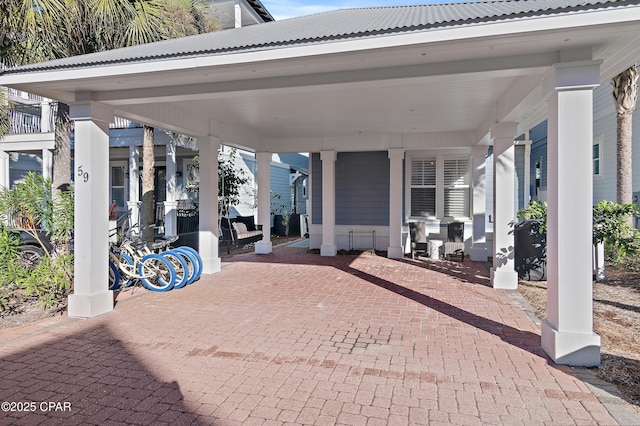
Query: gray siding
[(362, 188), (316, 188), (538, 137), (280, 185)]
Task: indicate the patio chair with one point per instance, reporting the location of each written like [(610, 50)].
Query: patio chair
[(418, 239), (453, 248)]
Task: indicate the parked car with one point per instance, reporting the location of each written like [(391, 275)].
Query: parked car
[(31, 249)]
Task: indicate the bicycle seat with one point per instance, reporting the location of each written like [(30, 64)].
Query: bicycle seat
[(170, 240), (156, 245)]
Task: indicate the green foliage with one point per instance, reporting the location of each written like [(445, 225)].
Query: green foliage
[(535, 210), (610, 227), (31, 206), (9, 252), (50, 281)]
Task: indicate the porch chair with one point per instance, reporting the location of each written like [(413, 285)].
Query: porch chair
[(418, 239), (453, 248)]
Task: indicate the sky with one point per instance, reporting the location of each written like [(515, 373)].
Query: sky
[(283, 9)]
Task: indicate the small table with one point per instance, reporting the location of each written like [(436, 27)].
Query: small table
[(434, 248)]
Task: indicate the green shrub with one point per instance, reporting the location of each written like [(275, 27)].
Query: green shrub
[(50, 281), (34, 207)]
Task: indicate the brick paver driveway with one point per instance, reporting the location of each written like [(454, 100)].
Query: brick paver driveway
[(295, 338)]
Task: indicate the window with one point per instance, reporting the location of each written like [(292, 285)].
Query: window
[(456, 187), (440, 186), (423, 186), (596, 159), (118, 186)]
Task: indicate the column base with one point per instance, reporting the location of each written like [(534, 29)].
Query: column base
[(328, 250), (395, 252), (211, 266), (89, 306), (479, 253), (506, 280), (264, 247), (576, 349)]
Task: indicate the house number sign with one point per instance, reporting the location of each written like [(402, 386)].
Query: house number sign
[(84, 175)]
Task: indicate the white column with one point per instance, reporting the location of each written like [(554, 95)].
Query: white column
[(395, 249), (264, 201), (328, 247), (47, 164), (170, 204), (45, 117), (567, 334), (134, 187), (91, 295), (208, 208), (237, 9), (4, 169), (503, 273), (479, 251)]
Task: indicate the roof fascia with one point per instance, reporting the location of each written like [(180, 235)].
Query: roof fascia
[(360, 76)]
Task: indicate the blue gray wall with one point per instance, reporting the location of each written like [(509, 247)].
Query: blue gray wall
[(362, 188), (538, 137)]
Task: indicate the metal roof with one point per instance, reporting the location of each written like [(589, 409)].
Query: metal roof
[(335, 25)]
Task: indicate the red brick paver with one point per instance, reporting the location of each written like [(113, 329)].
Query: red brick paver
[(296, 338)]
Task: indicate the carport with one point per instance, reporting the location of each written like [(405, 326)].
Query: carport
[(403, 80)]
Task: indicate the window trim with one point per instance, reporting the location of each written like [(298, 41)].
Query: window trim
[(125, 187), (440, 188)]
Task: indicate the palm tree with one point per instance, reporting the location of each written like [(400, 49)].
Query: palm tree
[(625, 94), (36, 30)]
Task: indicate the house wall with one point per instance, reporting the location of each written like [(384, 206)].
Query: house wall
[(604, 131), (362, 188), (538, 137)]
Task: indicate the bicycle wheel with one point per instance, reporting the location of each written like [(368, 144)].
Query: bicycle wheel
[(156, 273), (197, 256), (194, 267), (179, 265), (126, 269), (114, 276)]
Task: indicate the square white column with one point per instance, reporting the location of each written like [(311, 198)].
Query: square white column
[(4, 169), (47, 164), (479, 252), (328, 247), (170, 204), (208, 208), (91, 295), (395, 249), (503, 273), (264, 246), (134, 187), (567, 334)]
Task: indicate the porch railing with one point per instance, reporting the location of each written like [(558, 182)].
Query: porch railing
[(28, 118)]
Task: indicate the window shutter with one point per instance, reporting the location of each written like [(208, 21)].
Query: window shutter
[(423, 201), (423, 186), (423, 171), (457, 190)]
